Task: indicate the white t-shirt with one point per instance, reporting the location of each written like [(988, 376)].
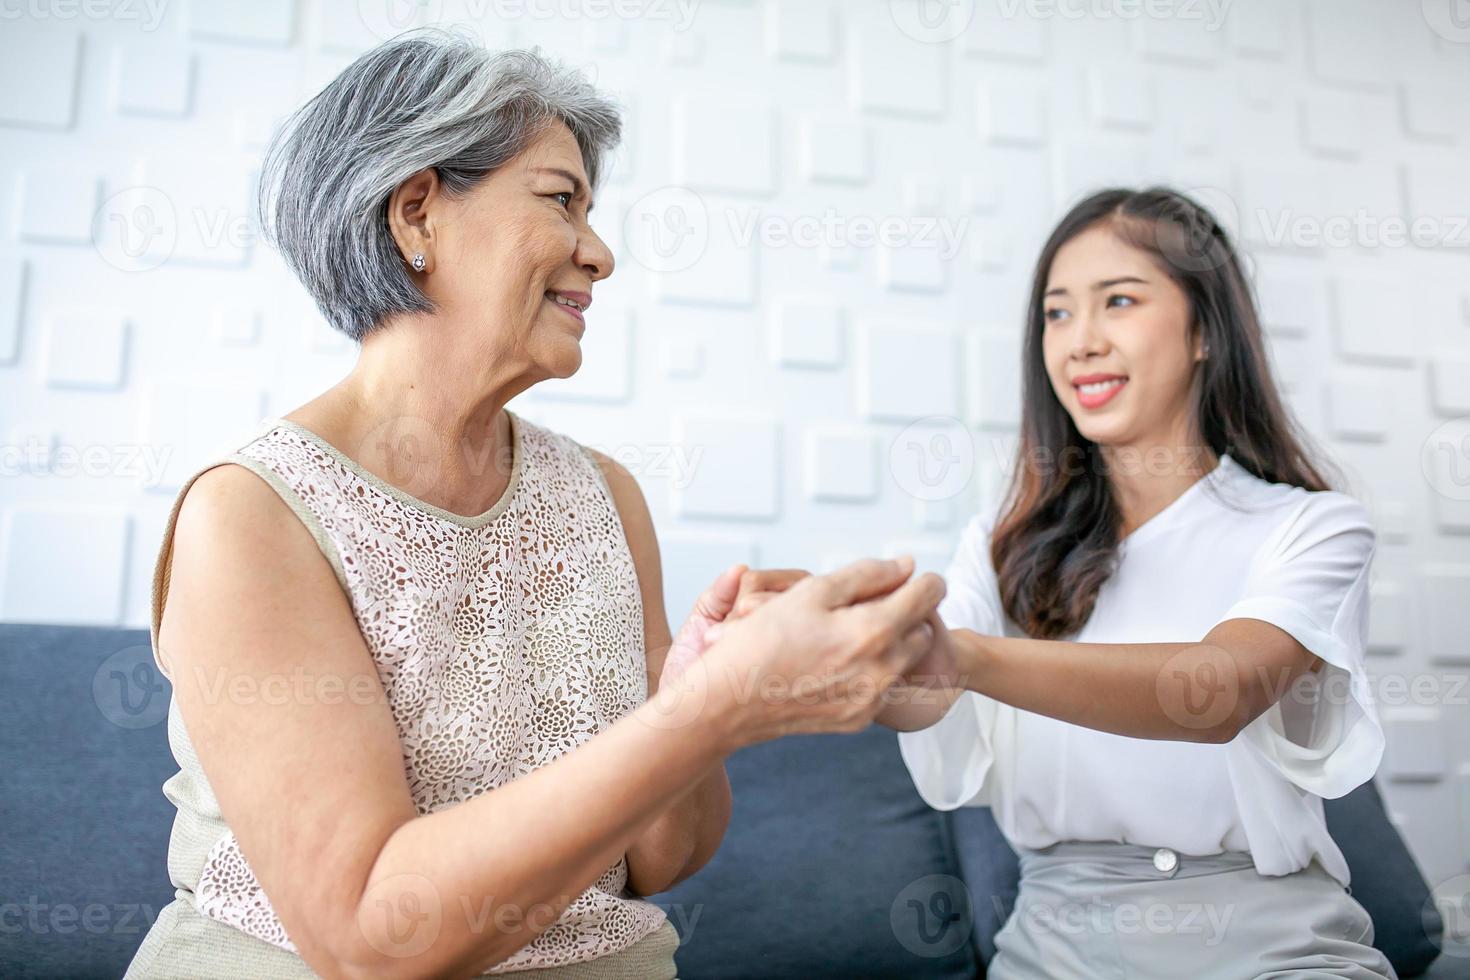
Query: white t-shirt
[(1231, 546)]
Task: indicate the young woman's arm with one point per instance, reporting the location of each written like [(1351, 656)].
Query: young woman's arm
[(1205, 691)]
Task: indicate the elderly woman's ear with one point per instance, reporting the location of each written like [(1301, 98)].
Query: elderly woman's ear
[(411, 213)]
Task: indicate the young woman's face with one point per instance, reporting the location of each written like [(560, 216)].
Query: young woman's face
[(515, 249), (1115, 342)]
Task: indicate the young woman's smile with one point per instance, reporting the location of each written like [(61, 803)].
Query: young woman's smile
[(1116, 341), (1096, 390)]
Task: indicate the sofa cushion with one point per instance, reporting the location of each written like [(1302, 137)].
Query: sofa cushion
[(83, 855), (833, 866), (1387, 881)]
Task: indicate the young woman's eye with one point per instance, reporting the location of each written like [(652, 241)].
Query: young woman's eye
[(1054, 314), (1120, 300)]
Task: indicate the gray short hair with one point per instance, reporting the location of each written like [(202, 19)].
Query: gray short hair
[(425, 99)]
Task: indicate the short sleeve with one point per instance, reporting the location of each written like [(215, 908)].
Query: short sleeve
[(972, 597), (949, 760), (1310, 579)]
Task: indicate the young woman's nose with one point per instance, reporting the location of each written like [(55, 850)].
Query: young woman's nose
[(1087, 336)]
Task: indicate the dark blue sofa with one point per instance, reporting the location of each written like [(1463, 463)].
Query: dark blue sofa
[(833, 867)]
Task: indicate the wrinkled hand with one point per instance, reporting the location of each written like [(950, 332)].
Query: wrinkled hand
[(819, 657), (737, 592)]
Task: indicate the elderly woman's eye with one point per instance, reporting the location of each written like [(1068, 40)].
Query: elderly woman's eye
[(564, 194)]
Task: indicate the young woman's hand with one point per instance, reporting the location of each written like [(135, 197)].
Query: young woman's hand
[(737, 592), (929, 688), (819, 656), (939, 669)]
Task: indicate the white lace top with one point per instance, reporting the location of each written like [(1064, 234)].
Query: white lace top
[(502, 641)]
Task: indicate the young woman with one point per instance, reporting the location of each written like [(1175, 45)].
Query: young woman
[(1154, 667)]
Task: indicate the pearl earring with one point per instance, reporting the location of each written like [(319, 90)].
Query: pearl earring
[(419, 262)]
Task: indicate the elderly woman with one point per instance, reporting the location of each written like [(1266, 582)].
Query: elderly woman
[(422, 677)]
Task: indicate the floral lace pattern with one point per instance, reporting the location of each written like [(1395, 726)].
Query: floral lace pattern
[(501, 646)]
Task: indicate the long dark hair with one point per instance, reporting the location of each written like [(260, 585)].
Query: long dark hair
[(1056, 540)]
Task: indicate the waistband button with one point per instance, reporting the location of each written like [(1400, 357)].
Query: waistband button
[(1166, 861)]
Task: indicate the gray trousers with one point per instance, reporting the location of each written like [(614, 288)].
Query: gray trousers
[(1104, 911)]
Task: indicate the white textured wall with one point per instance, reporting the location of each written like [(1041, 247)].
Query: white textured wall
[(754, 329)]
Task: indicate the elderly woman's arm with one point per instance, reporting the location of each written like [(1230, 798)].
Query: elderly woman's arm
[(686, 835), (283, 705)]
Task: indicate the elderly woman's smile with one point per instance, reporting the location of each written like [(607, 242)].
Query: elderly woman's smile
[(512, 258)]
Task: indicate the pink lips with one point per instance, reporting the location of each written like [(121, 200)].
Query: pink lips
[(1092, 400)]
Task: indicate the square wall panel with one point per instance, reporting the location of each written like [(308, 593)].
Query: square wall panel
[(63, 564), (724, 144), (841, 464), (736, 467), (84, 348), (907, 372), (38, 76)]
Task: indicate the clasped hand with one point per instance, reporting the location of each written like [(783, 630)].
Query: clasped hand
[(816, 653)]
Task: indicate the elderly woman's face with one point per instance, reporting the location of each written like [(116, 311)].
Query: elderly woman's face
[(516, 257)]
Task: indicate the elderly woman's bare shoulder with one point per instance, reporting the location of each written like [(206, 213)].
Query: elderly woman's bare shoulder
[(229, 503), (242, 561)]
